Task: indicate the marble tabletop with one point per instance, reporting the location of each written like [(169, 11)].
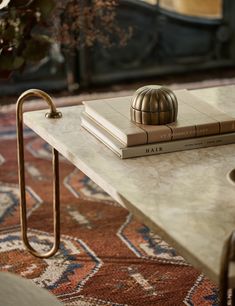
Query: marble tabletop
[(186, 197)]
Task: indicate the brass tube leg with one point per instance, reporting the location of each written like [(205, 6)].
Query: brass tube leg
[(21, 169), (226, 258)]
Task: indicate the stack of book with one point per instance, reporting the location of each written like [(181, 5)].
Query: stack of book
[(198, 125)]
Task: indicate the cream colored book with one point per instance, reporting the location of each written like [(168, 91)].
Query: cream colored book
[(123, 151), (196, 118)]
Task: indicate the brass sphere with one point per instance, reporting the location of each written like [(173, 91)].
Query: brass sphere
[(154, 105)]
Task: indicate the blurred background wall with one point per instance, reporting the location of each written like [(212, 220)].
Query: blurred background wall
[(168, 37)]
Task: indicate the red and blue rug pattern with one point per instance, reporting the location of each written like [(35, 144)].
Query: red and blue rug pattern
[(106, 256)]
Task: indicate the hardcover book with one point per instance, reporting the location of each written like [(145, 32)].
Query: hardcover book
[(154, 148), (196, 118)]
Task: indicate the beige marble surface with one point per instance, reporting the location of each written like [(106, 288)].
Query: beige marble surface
[(186, 196)]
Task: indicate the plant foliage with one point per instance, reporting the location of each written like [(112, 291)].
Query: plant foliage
[(29, 27)]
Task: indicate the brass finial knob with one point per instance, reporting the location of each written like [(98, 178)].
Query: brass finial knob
[(154, 105)]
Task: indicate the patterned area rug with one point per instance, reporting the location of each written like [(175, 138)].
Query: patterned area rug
[(106, 256)]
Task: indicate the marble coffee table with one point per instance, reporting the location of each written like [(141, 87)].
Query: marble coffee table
[(186, 197)]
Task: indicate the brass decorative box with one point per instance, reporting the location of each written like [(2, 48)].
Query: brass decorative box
[(154, 105)]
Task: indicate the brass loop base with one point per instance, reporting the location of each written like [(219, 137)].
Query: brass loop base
[(53, 115), (21, 169)]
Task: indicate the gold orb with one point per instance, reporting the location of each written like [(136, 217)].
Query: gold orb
[(154, 105)]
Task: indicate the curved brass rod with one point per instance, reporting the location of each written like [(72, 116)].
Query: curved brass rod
[(227, 256), (21, 169)]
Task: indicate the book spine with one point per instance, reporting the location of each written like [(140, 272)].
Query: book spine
[(179, 145), (225, 122)]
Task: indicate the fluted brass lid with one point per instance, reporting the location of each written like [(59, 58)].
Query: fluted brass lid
[(154, 105)]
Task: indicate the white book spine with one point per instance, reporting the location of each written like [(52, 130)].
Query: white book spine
[(178, 145), (153, 149)]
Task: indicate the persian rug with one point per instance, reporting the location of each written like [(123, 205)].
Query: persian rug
[(106, 257)]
